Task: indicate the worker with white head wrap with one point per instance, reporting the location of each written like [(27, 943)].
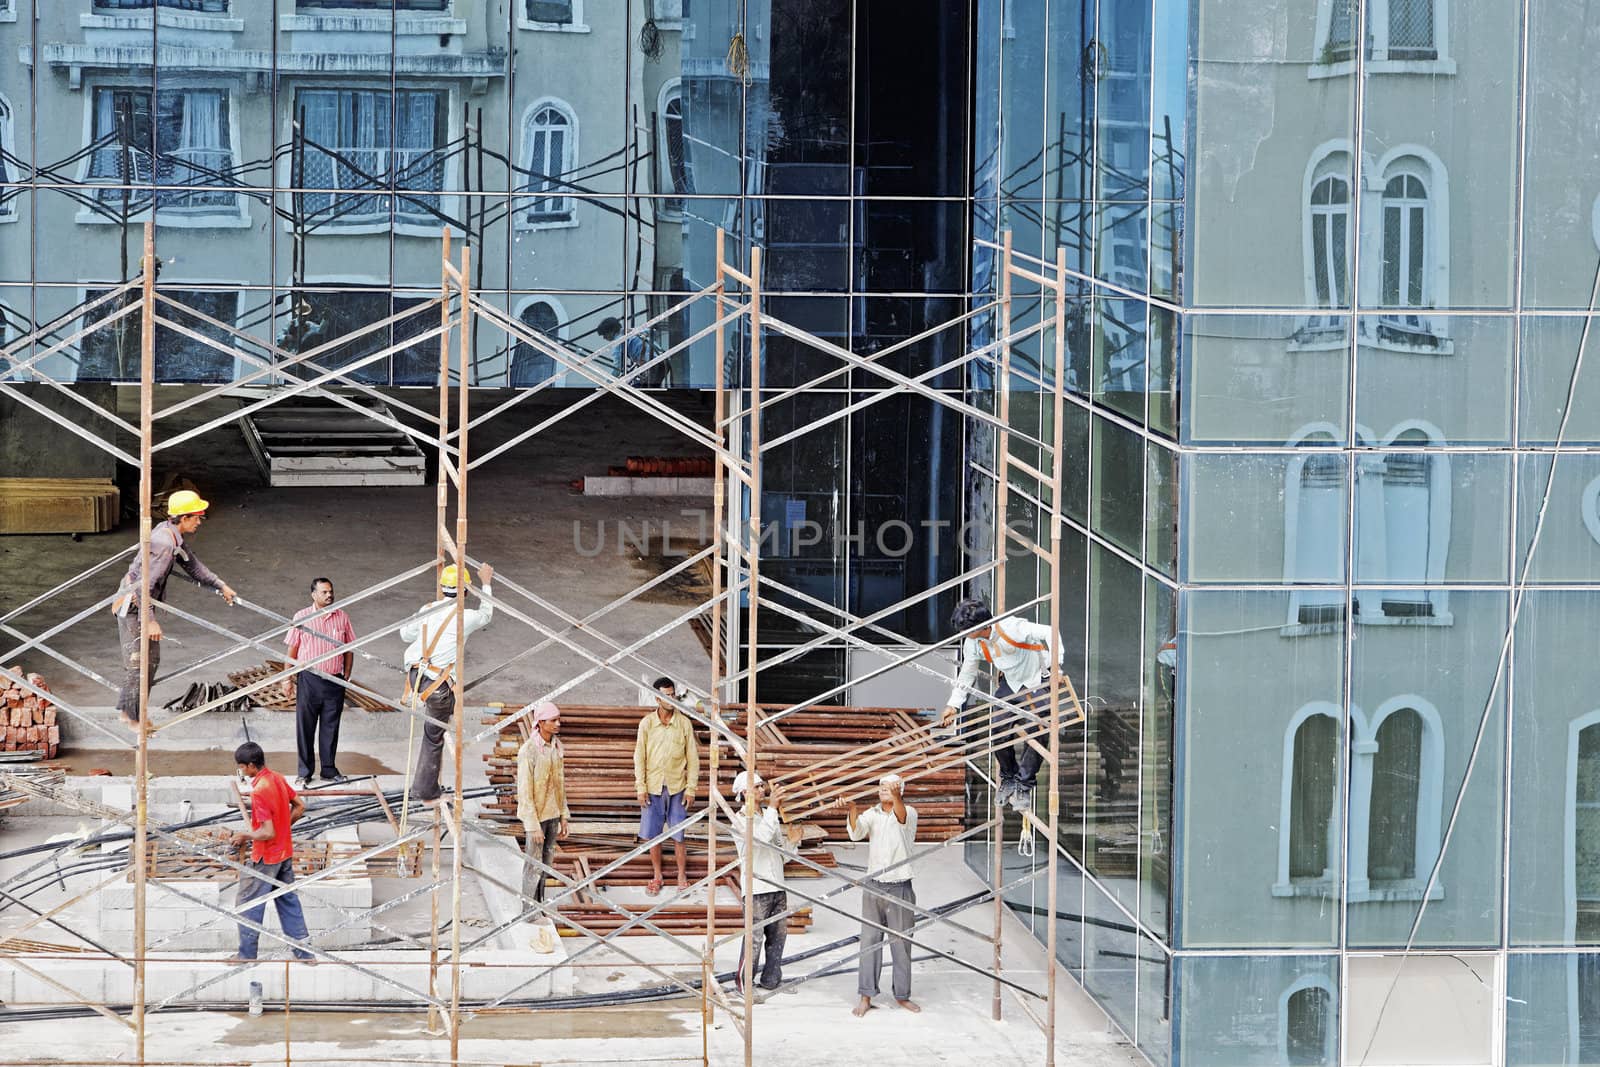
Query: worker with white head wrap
[(887, 899), (769, 921)]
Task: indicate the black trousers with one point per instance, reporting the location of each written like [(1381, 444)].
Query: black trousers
[(430, 753), (1019, 762), (128, 638), (769, 939), (318, 704), (533, 878)]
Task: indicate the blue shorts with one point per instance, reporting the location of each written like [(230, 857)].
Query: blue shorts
[(665, 809)]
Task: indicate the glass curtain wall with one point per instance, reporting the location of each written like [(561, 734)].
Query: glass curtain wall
[(1332, 513)]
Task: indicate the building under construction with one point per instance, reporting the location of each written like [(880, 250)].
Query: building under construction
[(1235, 348)]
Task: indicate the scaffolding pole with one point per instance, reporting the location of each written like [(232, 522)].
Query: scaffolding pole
[(737, 444)]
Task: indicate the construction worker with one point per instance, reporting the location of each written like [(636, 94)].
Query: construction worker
[(666, 769), (432, 671), (1019, 652), (185, 512), (319, 687), (634, 353), (274, 808), (887, 898), (542, 795), (769, 919)]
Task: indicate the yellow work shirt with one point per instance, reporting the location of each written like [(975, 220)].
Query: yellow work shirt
[(541, 781), (665, 755)]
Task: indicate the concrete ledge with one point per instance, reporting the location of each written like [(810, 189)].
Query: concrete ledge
[(609, 485)]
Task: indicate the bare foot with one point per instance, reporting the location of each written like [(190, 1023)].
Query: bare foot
[(909, 1005), (863, 1007), (683, 884), (132, 724)]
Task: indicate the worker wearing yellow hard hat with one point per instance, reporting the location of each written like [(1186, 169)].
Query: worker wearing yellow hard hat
[(186, 510), (431, 665)]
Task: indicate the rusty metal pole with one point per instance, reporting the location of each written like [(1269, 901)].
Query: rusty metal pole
[(141, 761), (443, 513), (752, 711), (708, 963), (464, 333), (1002, 545)]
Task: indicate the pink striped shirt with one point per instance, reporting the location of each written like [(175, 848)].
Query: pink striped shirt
[(318, 637)]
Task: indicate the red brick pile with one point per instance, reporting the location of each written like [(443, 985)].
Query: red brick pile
[(27, 720)]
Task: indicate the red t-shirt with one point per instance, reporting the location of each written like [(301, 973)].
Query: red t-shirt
[(270, 797)]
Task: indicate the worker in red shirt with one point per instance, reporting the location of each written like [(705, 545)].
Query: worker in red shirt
[(274, 807)]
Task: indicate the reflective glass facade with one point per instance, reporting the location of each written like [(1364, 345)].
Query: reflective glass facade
[(1333, 527)]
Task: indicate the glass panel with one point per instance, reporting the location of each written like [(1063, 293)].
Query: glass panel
[(1447, 1014), (1297, 531), (1440, 676), (1449, 377), (1555, 855), (1245, 80), (1156, 764), (1552, 1010), (1244, 1011), (1245, 691), (1111, 693), (1550, 372), (1161, 509), (903, 146), (799, 121), (1559, 231), (1111, 958), (1566, 486), (1427, 518), (1118, 498), (1264, 379)]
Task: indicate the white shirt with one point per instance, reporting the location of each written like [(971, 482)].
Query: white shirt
[(1023, 668), (439, 618), (889, 842), (770, 842)]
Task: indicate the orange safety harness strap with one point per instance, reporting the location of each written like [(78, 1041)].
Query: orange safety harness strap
[(1028, 646)]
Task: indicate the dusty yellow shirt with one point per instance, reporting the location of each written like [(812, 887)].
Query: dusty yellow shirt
[(665, 755), (541, 781)]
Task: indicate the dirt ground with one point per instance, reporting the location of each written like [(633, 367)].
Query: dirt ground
[(269, 543)]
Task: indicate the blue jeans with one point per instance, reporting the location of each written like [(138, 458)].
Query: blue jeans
[(253, 884)]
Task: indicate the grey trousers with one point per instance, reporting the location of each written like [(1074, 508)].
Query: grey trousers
[(533, 878), (769, 939), (128, 637), (441, 705), (891, 909)]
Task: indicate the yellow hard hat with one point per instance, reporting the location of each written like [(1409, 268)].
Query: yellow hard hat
[(448, 577), (186, 502)]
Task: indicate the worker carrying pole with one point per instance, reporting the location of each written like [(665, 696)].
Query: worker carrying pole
[(185, 512), (1019, 653)]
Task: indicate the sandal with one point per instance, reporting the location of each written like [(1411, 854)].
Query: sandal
[(654, 888)]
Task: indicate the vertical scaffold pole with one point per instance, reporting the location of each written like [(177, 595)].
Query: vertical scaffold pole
[(708, 963), (1001, 504), (457, 678), (442, 514), (1057, 476), (752, 712), (141, 759)]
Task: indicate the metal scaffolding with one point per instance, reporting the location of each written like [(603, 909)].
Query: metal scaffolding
[(741, 594)]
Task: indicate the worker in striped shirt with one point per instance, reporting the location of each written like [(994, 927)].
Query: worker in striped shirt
[(319, 687)]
